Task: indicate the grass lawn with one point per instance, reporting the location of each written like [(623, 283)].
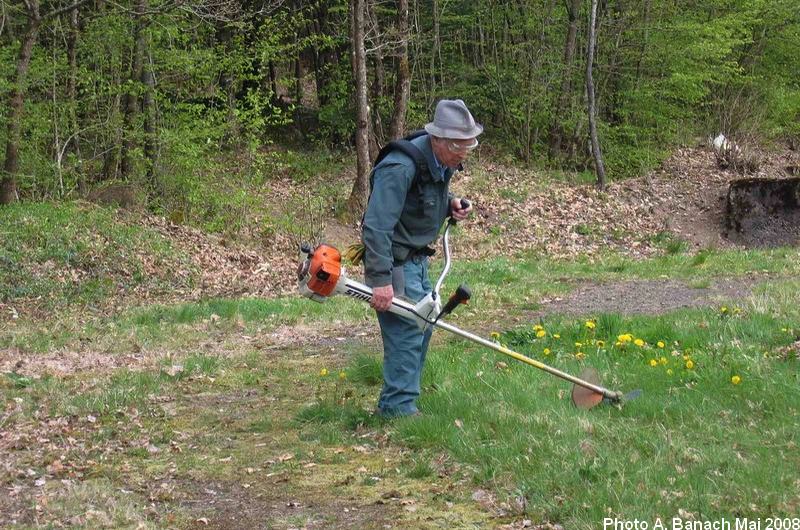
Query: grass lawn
[(713, 436), (285, 435)]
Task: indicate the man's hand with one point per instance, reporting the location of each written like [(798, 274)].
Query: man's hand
[(457, 212), (382, 297)]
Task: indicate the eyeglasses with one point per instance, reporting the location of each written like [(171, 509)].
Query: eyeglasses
[(455, 147)]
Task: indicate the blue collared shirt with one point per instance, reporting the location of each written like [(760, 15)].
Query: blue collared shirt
[(439, 166)]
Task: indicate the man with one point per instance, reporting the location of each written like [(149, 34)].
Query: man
[(406, 210)]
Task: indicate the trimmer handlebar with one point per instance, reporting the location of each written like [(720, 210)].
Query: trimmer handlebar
[(461, 296)]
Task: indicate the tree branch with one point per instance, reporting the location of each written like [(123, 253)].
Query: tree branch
[(57, 12)]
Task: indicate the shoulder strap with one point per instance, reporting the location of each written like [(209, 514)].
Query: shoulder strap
[(405, 146)]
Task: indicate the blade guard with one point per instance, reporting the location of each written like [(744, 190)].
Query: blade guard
[(325, 268)]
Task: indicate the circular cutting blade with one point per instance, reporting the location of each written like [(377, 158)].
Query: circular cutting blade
[(584, 398)]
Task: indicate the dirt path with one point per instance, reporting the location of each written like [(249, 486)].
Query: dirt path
[(646, 297), (221, 448)]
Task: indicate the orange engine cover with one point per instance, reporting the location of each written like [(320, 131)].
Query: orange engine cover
[(325, 269)]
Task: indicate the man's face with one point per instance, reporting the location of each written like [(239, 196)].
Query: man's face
[(452, 152)]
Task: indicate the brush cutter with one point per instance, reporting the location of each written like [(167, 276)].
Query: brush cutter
[(321, 275)]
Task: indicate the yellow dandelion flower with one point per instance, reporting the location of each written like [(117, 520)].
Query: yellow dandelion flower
[(546, 351), (736, 379), (660, 344), (618, 344), (639, 342), (653, 363), (495, 335), (737, 310), (578, 344), (601, 344), (723, 309), (689, 364), (626, 337), (590, 325), (541, 333), (556, 336), (342, 375), (323, 372), (580, 355), (537, 327)]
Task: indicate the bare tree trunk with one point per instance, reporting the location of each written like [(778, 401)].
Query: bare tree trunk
[(111, 156), (150, 138), (322, 57), (58, 150), (611, 83), (298, 81), (598, 156), (565, 93), (377, 136), (437, 46), (273, 80), (357, 201), (229, 85), (482, 43), (72, 95), (8, 184), (233, 134), (402, 89), (132, 96), (645, 39), (5, 25)]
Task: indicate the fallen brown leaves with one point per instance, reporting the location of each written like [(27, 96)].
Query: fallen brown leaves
[(684, 197), (787, 353), (228, 268), (512, 214)]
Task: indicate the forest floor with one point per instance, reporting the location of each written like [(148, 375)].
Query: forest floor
[(132, 414)]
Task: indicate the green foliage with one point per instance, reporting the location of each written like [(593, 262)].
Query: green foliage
[(665, 72), (630, 151), (336, 116)]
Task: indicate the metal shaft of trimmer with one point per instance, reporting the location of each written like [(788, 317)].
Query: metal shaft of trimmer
[(527, 360), (405, 309)]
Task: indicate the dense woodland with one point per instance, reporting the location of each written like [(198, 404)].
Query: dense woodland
[(165, 95)]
